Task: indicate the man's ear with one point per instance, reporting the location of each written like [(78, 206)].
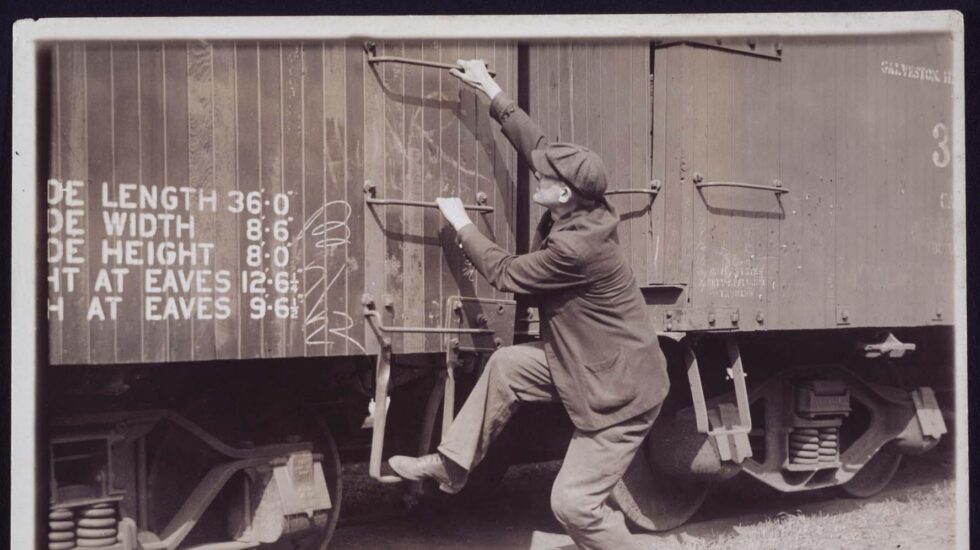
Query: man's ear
[(565, 194)]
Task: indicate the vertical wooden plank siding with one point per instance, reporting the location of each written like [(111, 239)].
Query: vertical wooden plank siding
[(285, 290), (757, 160), (916, 140), (376, 227), (468, 144), (827, 189), (328, 227), (796, 100), (413, 268), (271, 155), (696, 151), (936, 103), (201, 176), (863, 148), (228, 297), (777, 81), (882, 177), (57, 292), (98, 130), (890, 203), (393, 83), (152, 166), (248, 165), (500, 181), (176, 168), (125, 155), (675, 168), (714, 266), (615, 150), (432, 222), (656, 270), (452, 134), (816, 278), (851, 138), (864, 127), (483, 134), (309, 246), (74, 149), (639, 218), (355, 339), (597, 95)]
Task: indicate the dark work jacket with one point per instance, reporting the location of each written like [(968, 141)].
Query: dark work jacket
[(602, 350)]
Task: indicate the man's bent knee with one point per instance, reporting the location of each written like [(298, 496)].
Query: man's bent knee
[(574, 511)]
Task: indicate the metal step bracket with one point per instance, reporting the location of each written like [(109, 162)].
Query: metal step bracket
[(728, 424), (889, 347), (383, 366), (928, 412)]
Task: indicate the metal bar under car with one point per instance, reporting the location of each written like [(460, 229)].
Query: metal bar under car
[(776, 187), (370, 192), (371, 49)]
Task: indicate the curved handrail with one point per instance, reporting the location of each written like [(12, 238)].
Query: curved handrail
[(370, 191), (371, 49), (776, 188), (652, 191)]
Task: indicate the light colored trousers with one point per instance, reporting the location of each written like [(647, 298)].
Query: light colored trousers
[(593, 464)]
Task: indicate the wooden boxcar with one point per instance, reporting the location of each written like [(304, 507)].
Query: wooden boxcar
[(242, 254)]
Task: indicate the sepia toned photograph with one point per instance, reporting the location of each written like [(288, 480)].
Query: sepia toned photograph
[(497, 282)]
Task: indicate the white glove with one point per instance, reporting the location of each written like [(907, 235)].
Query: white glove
[(452, 209), (475, 75)]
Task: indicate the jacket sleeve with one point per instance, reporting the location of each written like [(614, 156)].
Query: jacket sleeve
[(522, 132), (551, 268)]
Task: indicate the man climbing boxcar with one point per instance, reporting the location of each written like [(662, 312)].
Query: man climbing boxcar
[(597, 354)]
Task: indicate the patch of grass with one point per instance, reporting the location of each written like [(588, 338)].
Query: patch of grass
[(923, 519)]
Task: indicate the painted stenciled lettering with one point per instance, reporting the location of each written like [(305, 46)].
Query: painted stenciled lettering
[(941, 157), (916, 72), (150, 242)]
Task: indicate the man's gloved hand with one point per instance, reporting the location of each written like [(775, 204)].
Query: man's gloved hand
[(475, 75), (452, 209)]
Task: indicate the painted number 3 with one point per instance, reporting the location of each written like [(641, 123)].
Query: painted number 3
[(941, 157)]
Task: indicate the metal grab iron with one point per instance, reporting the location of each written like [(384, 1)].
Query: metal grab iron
[(370, 192), (370, 48), (776, 188), (653, 191)]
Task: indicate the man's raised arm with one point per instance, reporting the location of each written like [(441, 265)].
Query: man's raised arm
[(524, 134)]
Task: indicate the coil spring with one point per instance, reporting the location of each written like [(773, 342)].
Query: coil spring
[(98, 526), (813, 445), (61, 529)]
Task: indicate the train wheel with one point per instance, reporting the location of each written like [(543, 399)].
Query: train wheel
[(874, 476), (240, 418), (654, 501)]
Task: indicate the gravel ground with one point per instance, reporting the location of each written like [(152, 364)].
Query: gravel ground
[(916, 511)]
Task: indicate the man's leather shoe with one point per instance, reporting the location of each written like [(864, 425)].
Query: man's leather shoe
[(450, 476)]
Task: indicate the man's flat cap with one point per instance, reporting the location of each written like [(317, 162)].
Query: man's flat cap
[(577, 166)]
